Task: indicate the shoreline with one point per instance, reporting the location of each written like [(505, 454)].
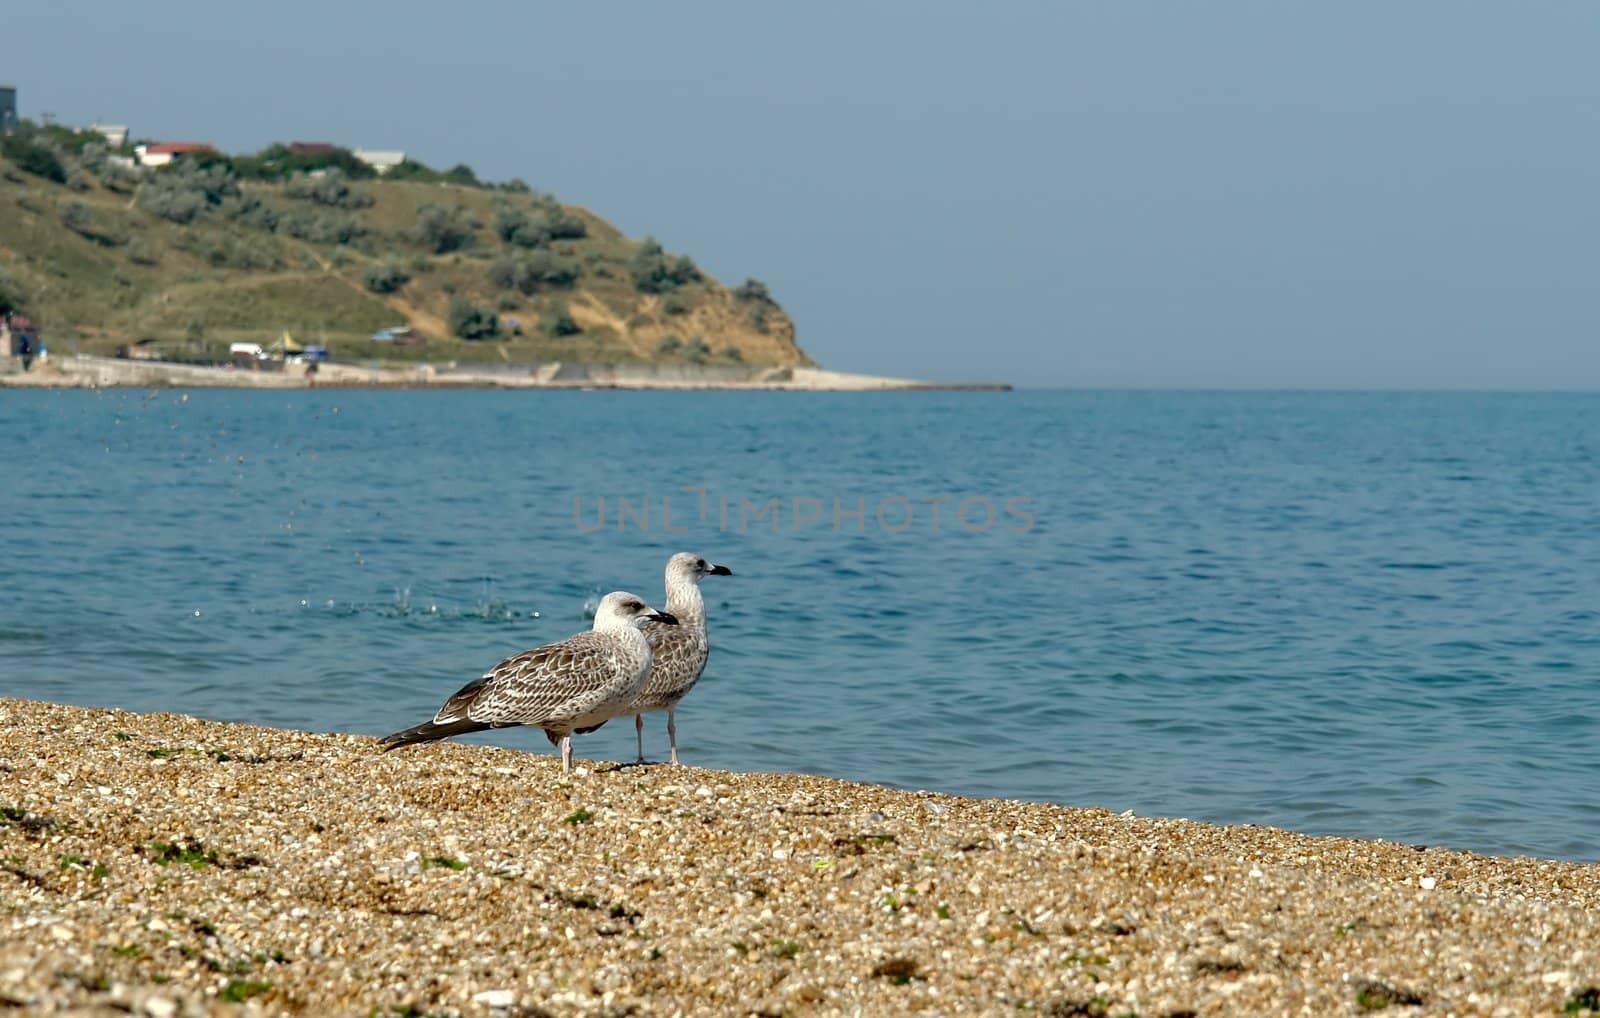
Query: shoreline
[(84, 371), (165, 865)]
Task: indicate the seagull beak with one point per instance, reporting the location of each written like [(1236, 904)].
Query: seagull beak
[(717, 570), (666, 618)]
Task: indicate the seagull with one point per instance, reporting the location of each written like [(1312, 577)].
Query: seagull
[(679, 653), (583, 680)]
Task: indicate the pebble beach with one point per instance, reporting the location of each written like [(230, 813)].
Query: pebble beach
[(163, 865)]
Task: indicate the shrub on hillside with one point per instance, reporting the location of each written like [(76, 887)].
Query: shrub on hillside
[(116, 176), (77, 217), (559, 223), (328, 187), (171, 204), (319, 227), (182, 193), (669, 345), (533, 272), (33, 155), (461, 174), (673, 304), (249, 210), (557, 322), (141, 253), (654, 271), (514, 226), (384, 277), (277, 162), (755, 291), (69, 143), (444, 229), (546, 222), (697, 351), (469, 321), (206, 159), (410, 169), (13, 295), (223, 250)]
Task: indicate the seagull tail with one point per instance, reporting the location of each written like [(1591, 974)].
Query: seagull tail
[(429, 732)]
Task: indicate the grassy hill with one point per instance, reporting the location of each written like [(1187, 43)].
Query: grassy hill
[(210, 251)]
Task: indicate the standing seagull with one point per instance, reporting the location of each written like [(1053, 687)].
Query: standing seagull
[(583, 680), (680, 653)]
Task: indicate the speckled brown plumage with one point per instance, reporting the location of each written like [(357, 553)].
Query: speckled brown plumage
[(680, 651), (580, 681)]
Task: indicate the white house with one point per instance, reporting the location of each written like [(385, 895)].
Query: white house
[(381, 161), (162, 153), (116, 135)]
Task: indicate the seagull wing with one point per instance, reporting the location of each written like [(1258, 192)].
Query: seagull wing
[(535, 686)]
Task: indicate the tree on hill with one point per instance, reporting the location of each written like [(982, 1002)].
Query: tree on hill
[(533, 272), (444, 229), (279, 162), (33, 154), (547, 222), (654, 271), (181, 193), (469, 321), (385, 277), (422, 173), (13, 296), (330, 188), (462, 174), (558, 322), (754, 291)]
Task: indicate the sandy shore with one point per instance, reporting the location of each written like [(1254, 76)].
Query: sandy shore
[(83, 372), (162, 865)]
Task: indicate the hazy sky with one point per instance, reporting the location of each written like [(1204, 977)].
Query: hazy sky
[(1126, 194)]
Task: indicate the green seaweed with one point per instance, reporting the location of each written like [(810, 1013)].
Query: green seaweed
[(193, 855), (241, 990)]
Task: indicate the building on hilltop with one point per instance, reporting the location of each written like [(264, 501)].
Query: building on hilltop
[(116, 135), (8, 108), (381, 161), (162, 153)]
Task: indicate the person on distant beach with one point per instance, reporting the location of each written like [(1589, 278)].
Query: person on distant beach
[(311, 374), (25, 350)]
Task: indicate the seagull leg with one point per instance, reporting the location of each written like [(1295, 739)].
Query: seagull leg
[(672, 736), (566, 754), (638, 728)]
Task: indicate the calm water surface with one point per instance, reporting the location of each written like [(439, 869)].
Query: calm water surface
[(1374, 614)]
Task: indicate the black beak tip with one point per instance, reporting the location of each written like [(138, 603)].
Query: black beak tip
[(721, 571), (666, 618)]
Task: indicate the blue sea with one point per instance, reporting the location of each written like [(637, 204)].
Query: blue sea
[(1368, 614)]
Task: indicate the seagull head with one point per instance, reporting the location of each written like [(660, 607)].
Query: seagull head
[(620, 609), (687, 567)]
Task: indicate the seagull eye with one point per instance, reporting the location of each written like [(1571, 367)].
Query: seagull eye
[(701, 564)]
